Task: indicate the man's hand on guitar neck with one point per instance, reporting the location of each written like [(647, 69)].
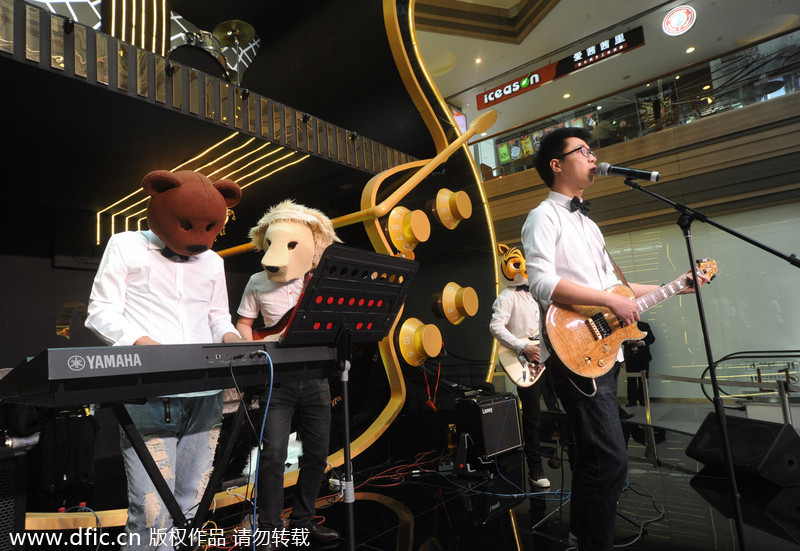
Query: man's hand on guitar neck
[(702, 279)]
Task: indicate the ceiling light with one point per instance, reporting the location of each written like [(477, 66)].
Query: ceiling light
[(567, 95), (706, 87), (478, 60), (677, 77), (690, 49), (599, 107)]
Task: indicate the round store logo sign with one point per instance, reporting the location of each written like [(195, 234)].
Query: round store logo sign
[(679, 20)]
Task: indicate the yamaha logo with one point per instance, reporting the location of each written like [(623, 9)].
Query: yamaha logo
[(103, 361), (76, 363)]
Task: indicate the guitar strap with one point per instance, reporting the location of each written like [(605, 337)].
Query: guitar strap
[(619, 273)]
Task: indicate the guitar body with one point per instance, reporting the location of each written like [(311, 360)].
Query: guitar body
[(266, 335), (587, 338), (273, 334), (522, 373)]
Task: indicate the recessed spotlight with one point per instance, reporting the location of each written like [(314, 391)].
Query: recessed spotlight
[(707, 87), (599, 107), (483, 133), (677, 77), (567, 95), (690, 49), (478, 60)]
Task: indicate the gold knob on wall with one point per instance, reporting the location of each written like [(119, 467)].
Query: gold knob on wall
[(455, 303), (406, 229), (450, 208), (418, 341)]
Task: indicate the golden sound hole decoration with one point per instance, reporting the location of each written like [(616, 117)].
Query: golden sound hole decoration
[(451, 208), (455, 303), (407, 228), (418, 342)]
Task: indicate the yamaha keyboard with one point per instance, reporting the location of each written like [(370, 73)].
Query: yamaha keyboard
[(60, 377)]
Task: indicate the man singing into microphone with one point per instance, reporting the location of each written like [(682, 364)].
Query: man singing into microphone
[(567, 263)]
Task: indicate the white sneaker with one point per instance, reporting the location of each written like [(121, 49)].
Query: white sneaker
[(540, 481), (572, 539)]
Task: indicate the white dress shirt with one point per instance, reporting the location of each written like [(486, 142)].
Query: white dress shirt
[(515, 317), (272, 299), (559, 244), (138, 292)]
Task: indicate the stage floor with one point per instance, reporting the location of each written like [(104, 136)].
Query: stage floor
[(671, 501)]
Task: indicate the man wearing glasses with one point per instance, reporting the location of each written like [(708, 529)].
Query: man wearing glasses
[(567, 263)]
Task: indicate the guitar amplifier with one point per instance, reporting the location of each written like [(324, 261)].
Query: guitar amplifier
[(492, 423)]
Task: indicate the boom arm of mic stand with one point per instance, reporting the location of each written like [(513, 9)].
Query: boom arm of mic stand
[(697, 215)]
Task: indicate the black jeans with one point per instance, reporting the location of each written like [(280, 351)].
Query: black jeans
[(600, 459), (311, 402), (530, 398)]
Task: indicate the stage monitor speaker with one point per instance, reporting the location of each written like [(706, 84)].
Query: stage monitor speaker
[(491, 421), (769, 450), (13, 489)]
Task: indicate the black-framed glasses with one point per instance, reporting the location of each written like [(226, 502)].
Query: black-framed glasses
[(585, 151)]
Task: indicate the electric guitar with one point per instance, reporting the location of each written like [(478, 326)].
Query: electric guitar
[(273, 333), (587, 338), (519, 369)]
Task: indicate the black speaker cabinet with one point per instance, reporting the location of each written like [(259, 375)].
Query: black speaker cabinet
[(769, 450), (492, 423), (13, 489)]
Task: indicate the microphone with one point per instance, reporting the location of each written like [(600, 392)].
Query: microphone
[(605, 169)]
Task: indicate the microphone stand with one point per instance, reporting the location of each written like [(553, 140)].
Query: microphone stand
[(685, 220)]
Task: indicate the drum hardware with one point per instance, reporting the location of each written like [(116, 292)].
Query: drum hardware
[(236, 34)]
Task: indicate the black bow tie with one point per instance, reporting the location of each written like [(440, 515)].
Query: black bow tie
[(576, 204), (166, 252)]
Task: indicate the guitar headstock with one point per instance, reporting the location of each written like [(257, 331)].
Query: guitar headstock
[(708, 267)]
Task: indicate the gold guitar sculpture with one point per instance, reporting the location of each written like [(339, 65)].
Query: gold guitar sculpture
[(519, 369), (587, 338)]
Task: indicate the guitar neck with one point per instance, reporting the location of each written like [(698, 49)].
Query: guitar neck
[(645, 302)]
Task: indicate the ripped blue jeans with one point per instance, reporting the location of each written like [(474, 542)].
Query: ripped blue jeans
[(181, 435)]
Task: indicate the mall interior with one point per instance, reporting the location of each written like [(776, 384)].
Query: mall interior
[(412, 124)]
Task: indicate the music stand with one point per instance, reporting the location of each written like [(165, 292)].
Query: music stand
[(352, 296)]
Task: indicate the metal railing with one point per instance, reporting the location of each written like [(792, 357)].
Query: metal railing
[(782, 388)]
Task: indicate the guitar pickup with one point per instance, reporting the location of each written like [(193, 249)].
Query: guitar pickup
[(598, 325)]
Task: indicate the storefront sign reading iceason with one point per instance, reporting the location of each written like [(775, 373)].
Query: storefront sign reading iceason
[(619, 43)]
